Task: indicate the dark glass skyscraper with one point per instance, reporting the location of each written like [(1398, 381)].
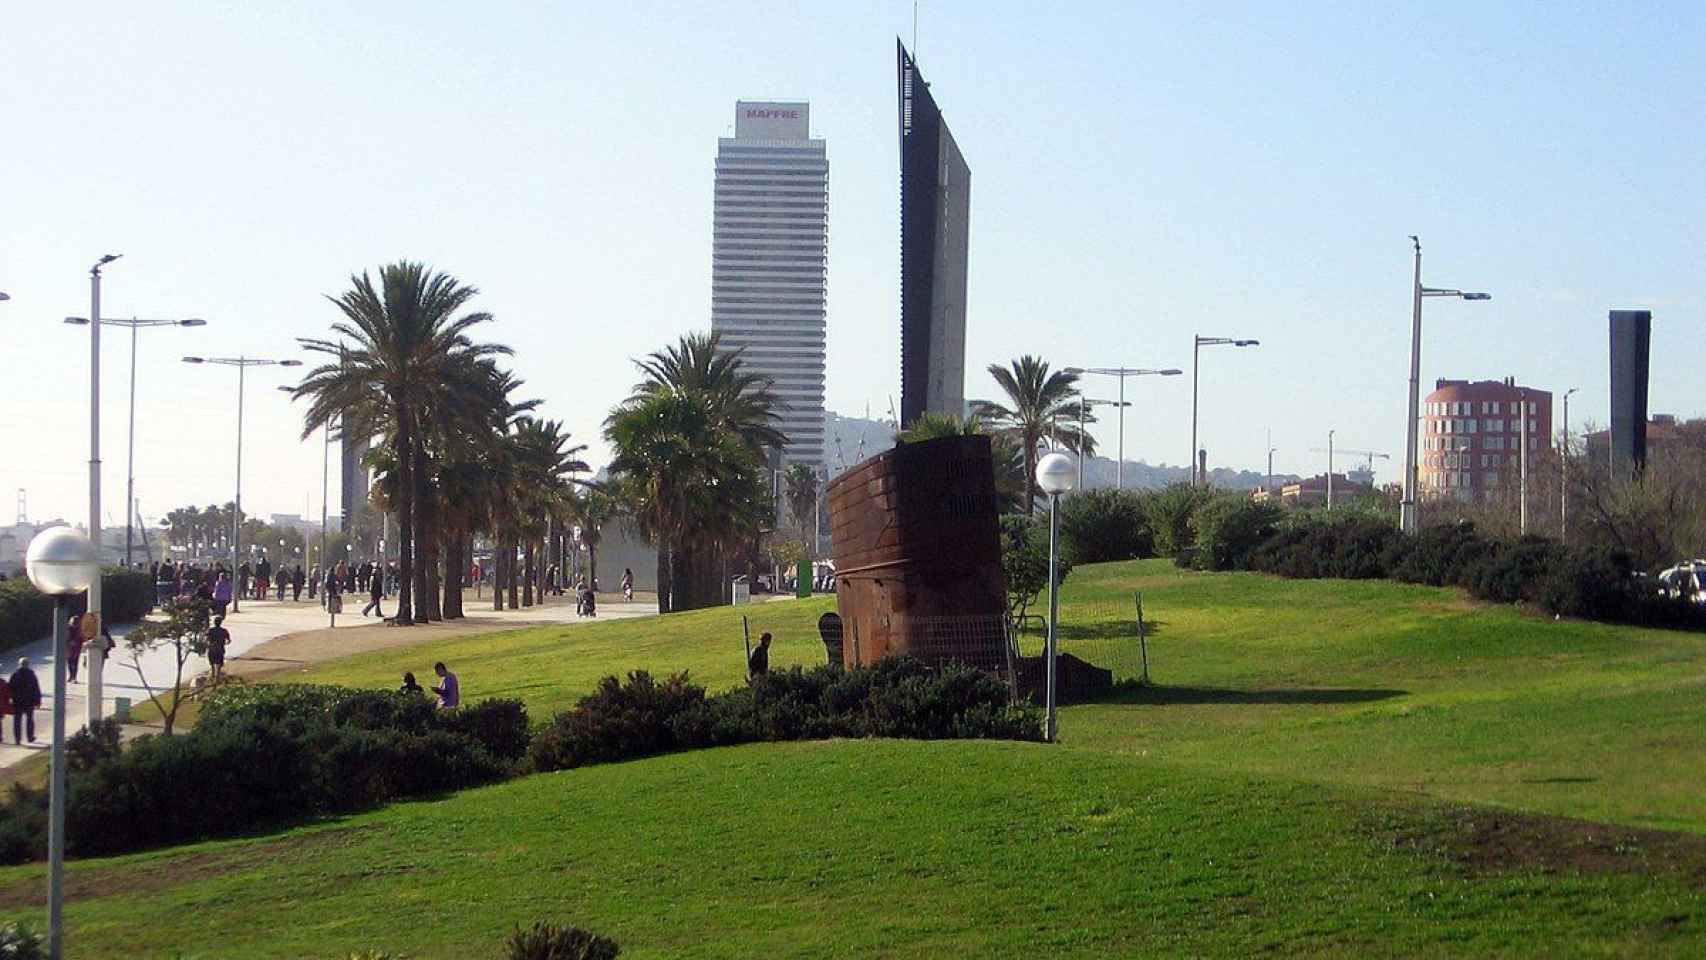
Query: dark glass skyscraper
[(935, 227)]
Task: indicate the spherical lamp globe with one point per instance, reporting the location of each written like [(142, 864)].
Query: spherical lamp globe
[(1055, 473), (60, 561)]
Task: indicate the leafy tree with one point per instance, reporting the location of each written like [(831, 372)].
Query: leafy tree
[(1102, 525), (184, 630), (1024, 562), (1040, 405)]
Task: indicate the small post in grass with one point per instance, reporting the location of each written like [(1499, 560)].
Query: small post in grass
[(746, 640), (1142, 640)]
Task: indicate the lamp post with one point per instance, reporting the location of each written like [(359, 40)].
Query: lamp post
[(96, 651), (1084, 404), (130, 442), (1122, 373), (1197, 343), (1407, 520), (61, 564), (1054, 476), (1564, 474), (1329, 469), (242, 364)]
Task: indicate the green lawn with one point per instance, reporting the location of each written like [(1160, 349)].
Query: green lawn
[(1322, 767), (892, 849)]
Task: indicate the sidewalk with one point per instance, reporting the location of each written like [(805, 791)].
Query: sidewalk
[(269, 636)]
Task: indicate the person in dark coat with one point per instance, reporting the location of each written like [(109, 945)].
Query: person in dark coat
[(376, 593), (26, 697), (758, 664), (297, 579)]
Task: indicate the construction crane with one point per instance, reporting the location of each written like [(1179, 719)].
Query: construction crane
[(1369, 456)]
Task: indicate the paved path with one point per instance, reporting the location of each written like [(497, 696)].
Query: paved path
[(261, 642)]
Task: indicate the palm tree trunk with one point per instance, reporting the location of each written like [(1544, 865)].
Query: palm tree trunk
[(404, 444), (527, 574), (497, 574), (663, 576), (1030, 474), (592, 561), (426, 539), (509, 575), (454, 563)]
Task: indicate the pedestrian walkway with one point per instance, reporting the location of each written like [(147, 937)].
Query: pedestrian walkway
[(269, 637)]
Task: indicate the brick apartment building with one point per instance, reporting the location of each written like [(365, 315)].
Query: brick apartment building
[(1471, 436)]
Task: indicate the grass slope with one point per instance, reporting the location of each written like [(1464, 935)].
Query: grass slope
[(1364, 683), (896, 849)]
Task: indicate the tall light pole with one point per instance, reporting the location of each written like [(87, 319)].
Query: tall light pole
[(1329, 469), (242, 364), (1197, 343), (1084, 404), (1122, 373), (1564, 474), (1054, 476), (61, 563), (1407, 520), (97, 651), (130, 457)]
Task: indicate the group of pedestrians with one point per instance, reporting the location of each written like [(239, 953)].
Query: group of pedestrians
[(375, 580)]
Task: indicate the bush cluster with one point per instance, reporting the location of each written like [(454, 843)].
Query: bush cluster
[(1227, 529), (546, 941), (26, 614), (896, 697), (266, 754), (1097, 526)]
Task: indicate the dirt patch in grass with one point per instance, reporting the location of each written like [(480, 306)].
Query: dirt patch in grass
[(1486, 842), (84, 883)]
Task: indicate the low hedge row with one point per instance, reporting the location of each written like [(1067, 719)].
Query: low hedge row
[(1588, 583), (26, 614), (261, 755), (896, 697), (269, 754)]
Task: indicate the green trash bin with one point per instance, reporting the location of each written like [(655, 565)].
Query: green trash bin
[(803, 580), (121, 709)]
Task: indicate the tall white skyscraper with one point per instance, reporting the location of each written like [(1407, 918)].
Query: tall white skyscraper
[(769, 249)]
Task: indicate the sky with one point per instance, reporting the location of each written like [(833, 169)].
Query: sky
[(1140, 173)]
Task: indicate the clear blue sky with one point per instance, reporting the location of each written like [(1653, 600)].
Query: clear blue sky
[(1139, 173)]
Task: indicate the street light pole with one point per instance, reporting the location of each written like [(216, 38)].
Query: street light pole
[(1329, 469), (1407, 517), (1197, 343), (242, 364), (1121, 373), (1054, 477), (97, 650)]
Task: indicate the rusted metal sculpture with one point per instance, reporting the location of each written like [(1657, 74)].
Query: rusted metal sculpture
[(918, 555)]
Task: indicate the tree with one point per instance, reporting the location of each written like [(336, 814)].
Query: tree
[(1038, 401), (799, 485), (1024, 563), (689, 445), (184, 629), (402, 356)]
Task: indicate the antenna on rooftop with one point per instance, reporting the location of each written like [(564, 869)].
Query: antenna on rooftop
[(915, 28)]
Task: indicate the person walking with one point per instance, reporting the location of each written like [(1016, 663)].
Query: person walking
[(222, 594), (758, 664), (449, 688), (628, 583), (74, 640), (375, 593), (26, 697), (297, 579), (218, 638)]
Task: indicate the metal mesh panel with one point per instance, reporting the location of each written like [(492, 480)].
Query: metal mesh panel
[(1104, 633)]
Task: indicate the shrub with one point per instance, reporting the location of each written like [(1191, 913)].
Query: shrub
[(545, 941), (1024, 561), (1515, 572), (616, 721), (1228, 529), (1353, 548), (500, 726), (1102, 525), (1169, 511), (19, 941), (272, 702), (1442, 556), (92, 746)]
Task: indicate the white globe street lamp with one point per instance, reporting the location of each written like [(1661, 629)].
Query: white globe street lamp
[(1055, 475), (61, 563)]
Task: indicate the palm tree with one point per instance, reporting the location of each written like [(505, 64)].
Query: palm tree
[(1004, 450), (546, 464), (401, 357), (689, 447), (1037, 402)]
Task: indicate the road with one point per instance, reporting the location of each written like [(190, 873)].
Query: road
[(261, 623)]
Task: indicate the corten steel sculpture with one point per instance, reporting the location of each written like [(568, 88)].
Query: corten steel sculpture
[(918, 555)]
